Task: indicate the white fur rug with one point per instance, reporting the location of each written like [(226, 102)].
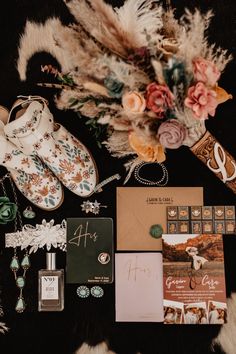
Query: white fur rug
[(226, 338), (99, 349)]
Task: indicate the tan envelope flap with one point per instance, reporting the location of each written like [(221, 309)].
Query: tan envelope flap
[(138, 208)]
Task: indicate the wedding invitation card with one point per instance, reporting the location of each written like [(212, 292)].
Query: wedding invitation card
[(194, 279), (89, 250), (138, 287), (139, 208)]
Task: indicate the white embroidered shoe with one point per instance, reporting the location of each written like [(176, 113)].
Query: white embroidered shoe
[(33, 179), (35, 133)]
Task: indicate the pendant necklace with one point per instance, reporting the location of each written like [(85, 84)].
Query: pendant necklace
[(16, 265)]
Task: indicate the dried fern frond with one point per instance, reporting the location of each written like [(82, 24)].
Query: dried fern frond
[(193, 41), (124, 72)]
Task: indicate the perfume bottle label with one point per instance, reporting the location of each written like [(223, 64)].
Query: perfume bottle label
[(49, 287)]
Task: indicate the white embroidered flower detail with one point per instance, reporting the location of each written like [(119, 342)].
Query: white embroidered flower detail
[(44, 235)]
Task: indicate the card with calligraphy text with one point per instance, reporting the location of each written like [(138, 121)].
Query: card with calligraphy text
[(194, 279), (89, 250), (138, 287)]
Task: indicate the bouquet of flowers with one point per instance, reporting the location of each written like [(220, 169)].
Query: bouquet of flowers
[(149, 79)]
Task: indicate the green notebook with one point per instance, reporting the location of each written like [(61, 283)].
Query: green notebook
[(89, 250)]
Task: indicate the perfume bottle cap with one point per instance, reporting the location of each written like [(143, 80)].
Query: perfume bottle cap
[(51, 261)]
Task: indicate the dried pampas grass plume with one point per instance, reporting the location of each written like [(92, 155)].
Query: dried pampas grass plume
[(121, 29), (40, 38)]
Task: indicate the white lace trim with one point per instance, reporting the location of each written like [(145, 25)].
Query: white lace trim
[(42, 235)]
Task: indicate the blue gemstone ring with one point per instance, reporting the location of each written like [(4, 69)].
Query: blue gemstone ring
[(97, 291), (82, 291)]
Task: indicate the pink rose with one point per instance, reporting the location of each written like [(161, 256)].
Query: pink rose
[(159, 99), (205, 71), (171, 134), (201, 100)]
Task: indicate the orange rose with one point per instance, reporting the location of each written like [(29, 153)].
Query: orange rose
[(146, 152), (133, 102)]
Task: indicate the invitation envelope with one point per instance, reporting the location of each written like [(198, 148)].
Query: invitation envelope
[(139, 287), (138, 208)]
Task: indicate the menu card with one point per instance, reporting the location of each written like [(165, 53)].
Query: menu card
[(194, 279)]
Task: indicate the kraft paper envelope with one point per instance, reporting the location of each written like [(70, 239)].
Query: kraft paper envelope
[(138, 208), (139, 287)]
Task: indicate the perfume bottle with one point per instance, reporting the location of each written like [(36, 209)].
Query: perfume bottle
[(51, 286)]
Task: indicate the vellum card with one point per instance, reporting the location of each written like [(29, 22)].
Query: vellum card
[(138, 208), (138, 287)]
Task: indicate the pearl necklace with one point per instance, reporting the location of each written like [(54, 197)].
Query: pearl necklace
[(161, 182)]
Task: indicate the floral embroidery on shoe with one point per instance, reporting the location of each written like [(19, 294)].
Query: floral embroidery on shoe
[(7, 157), (77, 178), (29, 124), (77, 159), (47, 136), (86, 174), (44, 191), (37, 146), (27, 182), (25, 161), (67, 166), (36, 179), (53, 189)]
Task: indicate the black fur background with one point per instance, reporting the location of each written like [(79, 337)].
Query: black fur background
[(92, 320)]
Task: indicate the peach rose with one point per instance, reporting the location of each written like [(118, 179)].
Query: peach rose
[(201, 100), (146, 152), (171, 134), (205, 71), (133, 102), (159, 99)]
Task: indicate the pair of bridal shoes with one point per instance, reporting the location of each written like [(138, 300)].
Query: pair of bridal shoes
[(41, 155)]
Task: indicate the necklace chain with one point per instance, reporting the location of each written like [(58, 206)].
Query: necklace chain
[(15, 264), (161, 182)]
